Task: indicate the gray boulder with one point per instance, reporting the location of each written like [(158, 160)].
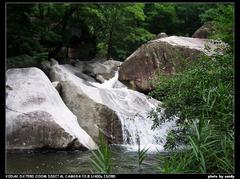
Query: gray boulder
[(166, 55), (85, 102), (99, 69), (119, 113), (36, 116)]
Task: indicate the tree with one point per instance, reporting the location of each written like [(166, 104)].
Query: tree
[(21, 36), (174, 19), (112, 30), (44, 27), (222, 16), (118, 28)]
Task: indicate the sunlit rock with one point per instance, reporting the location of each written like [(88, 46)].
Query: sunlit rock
[(121, 114), (36, 116), (166, 55)]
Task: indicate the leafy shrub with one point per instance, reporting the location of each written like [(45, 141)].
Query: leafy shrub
[(202, 98)]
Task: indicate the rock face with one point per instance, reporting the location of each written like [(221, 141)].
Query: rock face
[(36, 117), (204, 32), (163, 55), (121, 114), (84, 101)]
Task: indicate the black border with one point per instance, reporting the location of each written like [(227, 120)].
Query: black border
[(2, 94), (195, 176)]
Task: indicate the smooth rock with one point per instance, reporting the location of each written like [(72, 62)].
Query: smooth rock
[(119, 113), (98, 67), (84, 100), (36, 116), (164, 55)]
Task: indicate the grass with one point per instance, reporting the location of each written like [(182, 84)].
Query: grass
[(202, 97), (101, 158), (141, 154)]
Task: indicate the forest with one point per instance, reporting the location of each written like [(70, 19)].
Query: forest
[(111, 30), (200, 93)]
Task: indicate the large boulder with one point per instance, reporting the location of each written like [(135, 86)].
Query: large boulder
[(36, 116), (166, 55), (204, 31), (110, 107), (84, 101)]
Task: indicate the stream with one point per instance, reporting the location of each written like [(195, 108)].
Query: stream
[(124, 161), (131, 108)]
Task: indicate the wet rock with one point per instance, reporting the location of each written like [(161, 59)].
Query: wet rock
[(117, 112), (84, 101)]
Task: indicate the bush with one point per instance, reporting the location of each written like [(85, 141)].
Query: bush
[(202, 98)]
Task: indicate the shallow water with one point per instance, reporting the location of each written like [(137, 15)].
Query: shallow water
[(76, 162)]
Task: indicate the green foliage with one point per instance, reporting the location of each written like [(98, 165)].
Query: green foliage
[(222, 16), (20, 34), (202, 98), (101, 159), (112, 30), (190, 14), (187, 90), (141, 155), (24, 61), (37, 28), (118, 29), (204, 93), (173, 163), (207, 152), (161, 17), (174, 18)]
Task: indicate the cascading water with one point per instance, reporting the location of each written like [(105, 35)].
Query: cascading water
[(132, 108)]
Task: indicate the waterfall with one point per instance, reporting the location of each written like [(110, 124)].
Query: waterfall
[(132, 107)]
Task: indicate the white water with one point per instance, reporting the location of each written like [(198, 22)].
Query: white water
[(108, 84), (132, 108)]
